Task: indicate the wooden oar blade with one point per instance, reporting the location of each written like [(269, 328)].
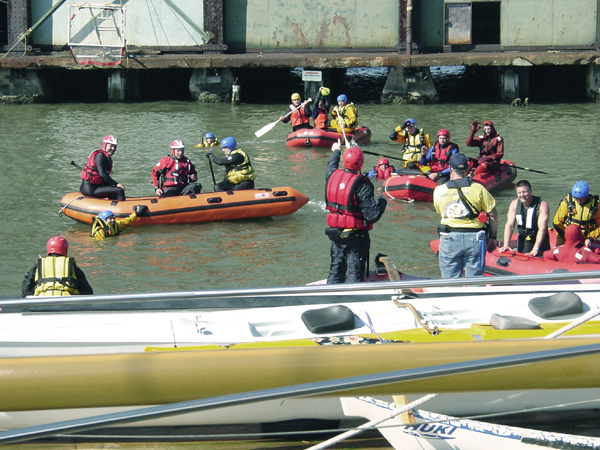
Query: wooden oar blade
[(264, 130)]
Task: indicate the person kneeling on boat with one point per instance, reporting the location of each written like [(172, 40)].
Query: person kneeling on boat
[(95, 177), (239, 174), (580, 208), (491, 147), (344, 115), (437, 157), (382, 170), (106, 225), (209, 140), (175, 174), (299, 113), (415, 142), (56, 274), (350, 200), (574, 250)]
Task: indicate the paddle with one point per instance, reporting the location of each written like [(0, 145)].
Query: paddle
[(342, 126), (524, 168), (73, 163), (383, 156), (212, 172), (264, 130)]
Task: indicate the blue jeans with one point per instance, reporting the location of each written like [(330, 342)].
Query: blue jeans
[(461, 251)]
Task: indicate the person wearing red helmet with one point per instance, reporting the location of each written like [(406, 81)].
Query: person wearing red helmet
[(574, 249), (239, 173), (437, 157), (383, 170), (175, 174), (491, 147), (95, 177), (414, 140), (350, 201), (56, 274)]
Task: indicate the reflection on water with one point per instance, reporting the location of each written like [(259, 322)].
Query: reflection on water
[(39, 142)]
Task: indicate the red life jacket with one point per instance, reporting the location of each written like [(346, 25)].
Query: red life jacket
[(177, 172), (90, 171), (321, 119), (299, 117), (440, 157), (384, 174), (342, 202)]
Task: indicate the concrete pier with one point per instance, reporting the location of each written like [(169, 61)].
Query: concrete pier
[(409, 85)]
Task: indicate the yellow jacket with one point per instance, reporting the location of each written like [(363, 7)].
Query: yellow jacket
[(348, 115), (101, 229), (587, 216)]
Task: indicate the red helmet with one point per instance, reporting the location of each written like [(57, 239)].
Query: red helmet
[(353, 159), (177, 143), (488, 122), (444, 132), (110, 139), (57, 244), (384, 161)]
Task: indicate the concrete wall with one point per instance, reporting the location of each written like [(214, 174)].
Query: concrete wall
[(149, 23), (311, 24)]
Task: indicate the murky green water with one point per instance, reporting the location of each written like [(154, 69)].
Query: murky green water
[(39, 142)]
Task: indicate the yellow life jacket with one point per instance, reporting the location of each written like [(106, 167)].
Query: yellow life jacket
[(55, 276), (582, 215), (412, 146), (102, 229), (214, 143), (241, 172)]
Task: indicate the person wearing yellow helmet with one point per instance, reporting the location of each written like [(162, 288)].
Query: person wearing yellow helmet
[(298, 113)]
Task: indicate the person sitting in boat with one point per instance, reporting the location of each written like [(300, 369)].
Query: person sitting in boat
[(175, 174), (464, 207), (106, 225), (414, 140), (320, 114), (491, 148), (298, 113), (56, 274), (574, 249), (437, 157), (209, 140), (531, 215), (344, 115), (239, 174), (96, 180), (383, 170), (350, 201), (579, 208)]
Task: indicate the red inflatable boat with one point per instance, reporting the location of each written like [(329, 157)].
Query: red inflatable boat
[(414, 185), (316, 137)]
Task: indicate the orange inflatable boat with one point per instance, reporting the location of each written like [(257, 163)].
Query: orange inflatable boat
[(195, 208)]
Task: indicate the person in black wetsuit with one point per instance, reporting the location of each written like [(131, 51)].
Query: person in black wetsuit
[(96, 180)]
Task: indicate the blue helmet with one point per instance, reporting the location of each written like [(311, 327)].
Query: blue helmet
[(209, 136), (580, 189), (104, 215), (229, 143), (411, 121), (342, 98)]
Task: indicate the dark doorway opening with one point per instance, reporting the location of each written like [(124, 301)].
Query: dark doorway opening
[(3, 24), (486, 23)]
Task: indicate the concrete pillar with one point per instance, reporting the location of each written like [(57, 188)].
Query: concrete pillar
[(117, 84), (211, 85), (22, 86), (409, 85), (592, 82), (514, 84)]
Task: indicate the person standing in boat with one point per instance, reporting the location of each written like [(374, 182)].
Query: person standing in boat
[(531, 215), (56, 274), (414, 140), (465, 209), (298, 113), (106, 225), (209, 140), (175, 174), (344, 115), (239, 174), (491, 147), (437, 157), (96, 180), (574, 249), (320, 114), (382, 171), (580, 208), (350, 200)]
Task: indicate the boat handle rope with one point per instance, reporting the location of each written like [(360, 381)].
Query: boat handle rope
[(432, 331), (62, 209), (372, 328)]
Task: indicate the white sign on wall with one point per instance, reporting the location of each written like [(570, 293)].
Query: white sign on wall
[(311, 75)]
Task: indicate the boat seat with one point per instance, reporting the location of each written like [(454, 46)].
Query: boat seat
[(559, 304), (499, 322), (329, 320)]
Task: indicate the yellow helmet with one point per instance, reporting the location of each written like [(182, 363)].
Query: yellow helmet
[(325, 91), (295, 96)]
